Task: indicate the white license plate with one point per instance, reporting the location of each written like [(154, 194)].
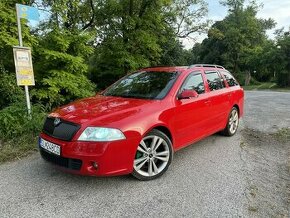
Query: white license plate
[(49, 146)]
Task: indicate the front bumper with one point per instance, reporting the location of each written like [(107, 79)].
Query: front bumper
[(112, 158)]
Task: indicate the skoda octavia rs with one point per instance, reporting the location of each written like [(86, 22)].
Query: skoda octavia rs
[(135, 125)]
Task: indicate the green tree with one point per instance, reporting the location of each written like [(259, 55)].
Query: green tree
[(60, 67), (186, 17), (238, 40), (70, 14), (174, 54), (61, 57), (9, 34), (282, 58), (10, 92), (129, 38), (135, 32)]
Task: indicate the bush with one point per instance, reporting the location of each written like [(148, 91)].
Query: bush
[(14, 121), (241, 77), (9, 90), (253, 81), (283, 79)]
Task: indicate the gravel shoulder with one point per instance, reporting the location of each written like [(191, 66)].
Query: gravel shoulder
[(266, 170), (265, 143)]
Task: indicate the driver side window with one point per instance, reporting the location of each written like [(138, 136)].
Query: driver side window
[(194, 82)]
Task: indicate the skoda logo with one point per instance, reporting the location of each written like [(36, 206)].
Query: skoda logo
[(56, 121)]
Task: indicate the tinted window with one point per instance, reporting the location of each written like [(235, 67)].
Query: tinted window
[(230, 79), (151, 85), (214, 80), (195, 82)]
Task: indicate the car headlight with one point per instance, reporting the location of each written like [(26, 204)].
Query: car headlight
[(99, 134)]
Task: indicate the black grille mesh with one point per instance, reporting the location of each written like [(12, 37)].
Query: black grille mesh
[(73, 164), (64, 130)]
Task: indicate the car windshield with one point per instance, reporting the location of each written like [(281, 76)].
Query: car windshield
[(148, 85)]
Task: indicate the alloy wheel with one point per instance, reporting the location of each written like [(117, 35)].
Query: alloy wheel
[(153, 156), (233, 121)]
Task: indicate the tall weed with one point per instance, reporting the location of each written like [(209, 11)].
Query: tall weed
[(15, 122)]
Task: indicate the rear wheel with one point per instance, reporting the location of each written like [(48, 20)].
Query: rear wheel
[(233, 123), (153, 156)]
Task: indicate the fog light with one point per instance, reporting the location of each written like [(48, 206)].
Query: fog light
[(95, 165)]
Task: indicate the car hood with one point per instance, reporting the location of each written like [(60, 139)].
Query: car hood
[(102, 110)]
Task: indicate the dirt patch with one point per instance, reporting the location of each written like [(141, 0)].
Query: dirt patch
[(267, 172), (17, 148)]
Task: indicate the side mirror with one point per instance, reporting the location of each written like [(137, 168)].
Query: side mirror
[(185, 94)]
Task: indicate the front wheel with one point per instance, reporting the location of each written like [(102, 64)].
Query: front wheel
[(153, 156), (233, 123)]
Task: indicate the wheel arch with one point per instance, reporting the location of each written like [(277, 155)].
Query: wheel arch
[(163, 129), (238, 108)]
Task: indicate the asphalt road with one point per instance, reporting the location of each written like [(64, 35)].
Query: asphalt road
[(267, 111), (204, 180)]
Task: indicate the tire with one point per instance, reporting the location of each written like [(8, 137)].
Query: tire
[(233, 123), (153, 156)]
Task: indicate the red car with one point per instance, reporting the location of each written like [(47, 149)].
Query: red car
[(136, 125)]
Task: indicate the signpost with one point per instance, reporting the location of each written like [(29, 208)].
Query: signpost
[(23, 66), (22, 55)]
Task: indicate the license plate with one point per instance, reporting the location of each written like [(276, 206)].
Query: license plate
[(49, 146)]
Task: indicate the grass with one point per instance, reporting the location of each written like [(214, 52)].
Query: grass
[(266, 86), (283, 134), (17, 149)]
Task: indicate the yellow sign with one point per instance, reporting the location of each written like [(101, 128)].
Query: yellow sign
[(23, 66)]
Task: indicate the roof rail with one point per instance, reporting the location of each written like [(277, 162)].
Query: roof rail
[(206, 65), (163, 66)]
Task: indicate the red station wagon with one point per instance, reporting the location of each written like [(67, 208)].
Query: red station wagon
[(135, 125)]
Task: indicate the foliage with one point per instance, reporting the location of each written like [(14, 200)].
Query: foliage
[(60, 68), (9, 34), (10, 92), (15, 122), (63, 13), (136, 34), (129, 38), (282, 56), (173, 54), (237, 41), (186, 17)]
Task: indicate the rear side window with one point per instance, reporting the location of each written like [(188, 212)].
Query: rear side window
[(214, 80), (194, 82), (230, 79)]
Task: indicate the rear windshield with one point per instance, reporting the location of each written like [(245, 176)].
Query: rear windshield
[(146, 85)]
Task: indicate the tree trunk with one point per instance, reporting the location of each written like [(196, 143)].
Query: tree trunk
[(248, 78)]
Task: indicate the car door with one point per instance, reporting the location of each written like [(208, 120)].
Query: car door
[(191, 115), (220, 102)]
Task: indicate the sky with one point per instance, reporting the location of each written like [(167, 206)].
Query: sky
[(279, 10)]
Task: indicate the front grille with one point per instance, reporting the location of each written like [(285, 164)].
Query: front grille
[(64, 130), (73, 164)]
